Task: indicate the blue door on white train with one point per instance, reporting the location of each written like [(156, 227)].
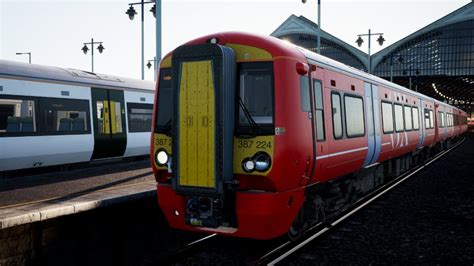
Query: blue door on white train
[(110, 136)]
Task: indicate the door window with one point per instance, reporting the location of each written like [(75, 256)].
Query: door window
[(318, 94)]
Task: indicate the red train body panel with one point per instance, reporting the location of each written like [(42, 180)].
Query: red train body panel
[(307, 145)]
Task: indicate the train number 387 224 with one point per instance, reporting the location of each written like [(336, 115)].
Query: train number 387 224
[(249, 144)]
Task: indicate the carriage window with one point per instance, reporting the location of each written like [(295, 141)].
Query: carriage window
[(165, 102), (387, 116), (139, 117), (17, 116), (64, 116), (440, 119), (318, 94), (431, 119), (354, 110), (427, 119), (304, 94), (398, 118), (416, 118), (336, 115), (255, 97), (408, 118)]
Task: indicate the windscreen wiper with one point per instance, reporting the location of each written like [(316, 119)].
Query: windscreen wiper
[(253, 125)]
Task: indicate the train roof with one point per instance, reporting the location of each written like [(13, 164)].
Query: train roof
[(340, 67), (279, 47), (18, 70)]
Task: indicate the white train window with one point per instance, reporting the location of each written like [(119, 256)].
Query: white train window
[(336, 115), (416, 118), (139, 117), (431, 119), (440, 119), (408, 118), (318, 94), (64, 116), (354, 110), (387, 117), (398, 118), (304, 94), (17, 116)]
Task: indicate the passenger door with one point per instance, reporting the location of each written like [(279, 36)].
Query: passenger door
[(110, 137), (317, 96), (373, 123)]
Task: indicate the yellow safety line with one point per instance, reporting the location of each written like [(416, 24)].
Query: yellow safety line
[(65, 197)]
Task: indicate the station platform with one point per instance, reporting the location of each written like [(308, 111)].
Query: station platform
[(41, 197)]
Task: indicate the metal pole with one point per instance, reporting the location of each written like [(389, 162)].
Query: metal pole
[(143, 41), (155, 68), (92, 53), (391, 68), (319, 27), (369, 70), (158, 14), (29, 57)]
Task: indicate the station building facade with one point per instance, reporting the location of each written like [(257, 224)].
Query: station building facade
[(437, 60)]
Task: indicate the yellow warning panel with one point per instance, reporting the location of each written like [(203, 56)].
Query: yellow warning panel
[(196, 125), (249, 53), (113, 121)]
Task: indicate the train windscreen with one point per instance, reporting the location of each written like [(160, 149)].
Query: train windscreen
[(255, 102), (165, 103)]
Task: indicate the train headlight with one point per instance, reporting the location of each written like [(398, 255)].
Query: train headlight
[(262, 161), (248, 165), (162, 157)]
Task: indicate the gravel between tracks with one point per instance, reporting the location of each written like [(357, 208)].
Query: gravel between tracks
[(429, 219)]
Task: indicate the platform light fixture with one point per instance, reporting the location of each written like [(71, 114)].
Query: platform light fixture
[(360, 41), (153, 10), (85, 49), (131, 12), (150, 64)]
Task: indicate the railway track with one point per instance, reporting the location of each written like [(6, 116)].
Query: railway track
[(286, 249)]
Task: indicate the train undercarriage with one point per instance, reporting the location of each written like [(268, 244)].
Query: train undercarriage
[(325, 201)]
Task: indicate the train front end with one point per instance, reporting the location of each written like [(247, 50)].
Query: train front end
[(216, 149)]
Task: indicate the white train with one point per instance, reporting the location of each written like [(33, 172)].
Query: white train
[(54, 116)]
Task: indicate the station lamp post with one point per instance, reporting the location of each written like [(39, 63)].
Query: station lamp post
[(131, 14), (29, 56), (149, 65), (318, 47), (85, 49), (359, 42)]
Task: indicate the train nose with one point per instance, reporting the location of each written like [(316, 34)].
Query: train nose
[(204, 117)]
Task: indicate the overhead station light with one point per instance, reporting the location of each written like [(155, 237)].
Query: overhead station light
[(85, 49), (131, 12), (100, 48), (359, 41)]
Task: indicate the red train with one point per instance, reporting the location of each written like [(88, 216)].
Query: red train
[(254, 137)]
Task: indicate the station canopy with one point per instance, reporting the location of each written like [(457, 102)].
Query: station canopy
[(437, 60)]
